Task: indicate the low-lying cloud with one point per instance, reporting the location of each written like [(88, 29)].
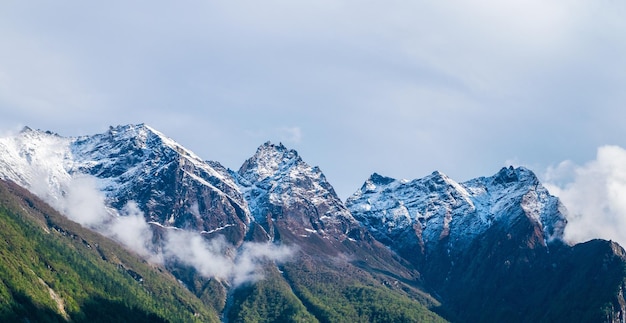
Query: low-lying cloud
[(594, 194), (212, 259), (86, 205)]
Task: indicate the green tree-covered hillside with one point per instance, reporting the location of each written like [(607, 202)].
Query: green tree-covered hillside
[(52, 269)]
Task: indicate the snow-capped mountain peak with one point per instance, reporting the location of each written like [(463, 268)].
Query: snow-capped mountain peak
[(374, 181), (138, 145), (508, 175), (437, 207), (268, 161), (392, 206), (515, 188), (276, 178), (137, 163)]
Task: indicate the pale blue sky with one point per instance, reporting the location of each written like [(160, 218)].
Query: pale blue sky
[(401, 88)]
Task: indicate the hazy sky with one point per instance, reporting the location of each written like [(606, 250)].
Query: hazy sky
[(401, 88)]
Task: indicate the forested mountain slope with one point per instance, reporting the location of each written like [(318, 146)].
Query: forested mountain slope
[(52, 269)]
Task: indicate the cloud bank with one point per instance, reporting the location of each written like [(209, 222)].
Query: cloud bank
[(594, 194)]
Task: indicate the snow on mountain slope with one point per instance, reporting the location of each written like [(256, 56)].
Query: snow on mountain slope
[(435, 207), (277, 183), (133, 149), (169, 183), (512, 188), (173, 185), (38, 161)]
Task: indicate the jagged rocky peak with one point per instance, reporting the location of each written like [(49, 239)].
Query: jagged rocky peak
[(136, 135), (112, 153), (378, 179), (29, 130), (417, 212), (26, 129), (437, 188), (269, 160), (128, 149), (140, 130), (517, 188), (435, 207), (171, 184), (434, 182), (136, 139), (508, 175), (277, 164), (131, 163), (281, 188), (284, 169)]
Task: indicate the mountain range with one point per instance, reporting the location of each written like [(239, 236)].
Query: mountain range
[(272, 241)]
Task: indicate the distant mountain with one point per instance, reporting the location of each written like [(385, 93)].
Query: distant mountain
[(486, 250)]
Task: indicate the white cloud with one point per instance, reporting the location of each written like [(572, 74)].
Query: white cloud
[(252, 256), (595, 195), (208, 257), (85, 204), (217, 258), (132, 230)]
